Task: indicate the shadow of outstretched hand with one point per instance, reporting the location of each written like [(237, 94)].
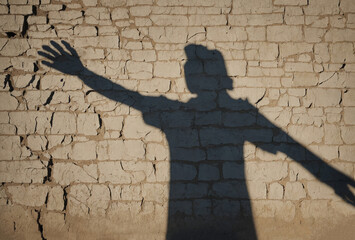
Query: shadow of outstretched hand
[(342, 184), (348, 196), (66, 61), (342, 189)]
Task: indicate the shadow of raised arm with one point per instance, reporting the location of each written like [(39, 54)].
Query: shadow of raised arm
[(68, 61)]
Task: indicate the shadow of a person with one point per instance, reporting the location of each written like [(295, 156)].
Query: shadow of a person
[(208, 196)]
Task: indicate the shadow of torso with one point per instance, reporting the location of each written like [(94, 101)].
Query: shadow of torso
[(208, 196)]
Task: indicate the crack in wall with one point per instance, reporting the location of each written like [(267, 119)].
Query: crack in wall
[(40, 226)]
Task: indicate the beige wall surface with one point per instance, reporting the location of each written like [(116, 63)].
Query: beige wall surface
[(177, 119)]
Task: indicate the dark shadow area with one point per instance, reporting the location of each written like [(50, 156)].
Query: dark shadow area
[(208, 196)]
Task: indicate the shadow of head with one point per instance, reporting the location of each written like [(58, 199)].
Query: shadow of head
[(205, 70)]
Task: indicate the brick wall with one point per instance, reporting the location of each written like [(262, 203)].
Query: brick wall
[(185, 116)]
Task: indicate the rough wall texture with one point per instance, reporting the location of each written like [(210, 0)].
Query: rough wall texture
[(76, 163)]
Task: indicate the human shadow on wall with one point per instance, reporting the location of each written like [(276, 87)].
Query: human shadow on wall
[(208, 196)]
